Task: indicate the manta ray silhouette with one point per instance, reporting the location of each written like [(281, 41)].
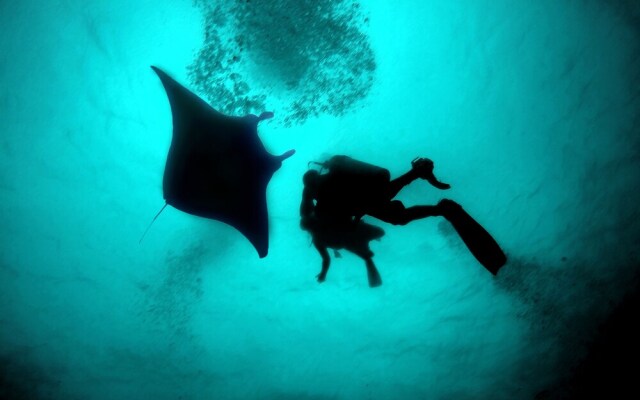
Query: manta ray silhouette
[(217, 167)]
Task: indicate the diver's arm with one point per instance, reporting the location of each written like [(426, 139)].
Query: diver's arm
[(420, 168), (397, 184), (326, 260)]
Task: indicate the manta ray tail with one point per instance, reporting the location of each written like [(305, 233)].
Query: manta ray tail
[(152, 221)]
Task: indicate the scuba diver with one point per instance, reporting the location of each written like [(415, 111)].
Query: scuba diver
[(333, 204)]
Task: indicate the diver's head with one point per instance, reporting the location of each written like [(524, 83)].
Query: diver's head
[(311, 179)]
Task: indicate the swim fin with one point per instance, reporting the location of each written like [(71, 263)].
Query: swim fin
[(481, 244)]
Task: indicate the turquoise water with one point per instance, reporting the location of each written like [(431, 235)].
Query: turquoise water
[(530, 111)]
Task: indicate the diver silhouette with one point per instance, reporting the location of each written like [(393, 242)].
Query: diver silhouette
[(333, 204)]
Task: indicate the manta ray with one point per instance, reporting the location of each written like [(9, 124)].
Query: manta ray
[(217, 166)]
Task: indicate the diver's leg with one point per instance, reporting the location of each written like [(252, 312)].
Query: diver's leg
[(372, 273), (326, 261), (395, 213), (419, 212)]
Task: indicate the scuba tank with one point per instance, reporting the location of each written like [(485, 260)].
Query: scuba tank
[(352, 187), (357, 172)]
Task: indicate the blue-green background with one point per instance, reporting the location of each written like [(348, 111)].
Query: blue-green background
[(530, 110)]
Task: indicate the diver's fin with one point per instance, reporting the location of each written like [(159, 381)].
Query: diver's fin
[(483, 247)]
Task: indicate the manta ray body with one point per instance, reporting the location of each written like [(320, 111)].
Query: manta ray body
[(217, 166)]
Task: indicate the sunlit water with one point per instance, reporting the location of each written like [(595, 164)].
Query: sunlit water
[(530, 111)]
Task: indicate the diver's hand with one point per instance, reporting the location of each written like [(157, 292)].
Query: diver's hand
[(437, 184), (321, 277), (423, 168)]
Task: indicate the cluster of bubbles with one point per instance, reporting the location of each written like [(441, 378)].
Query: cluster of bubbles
[(311, 55)]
